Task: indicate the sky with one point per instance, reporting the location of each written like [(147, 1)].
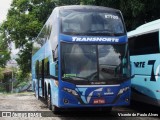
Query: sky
[(4, 6)]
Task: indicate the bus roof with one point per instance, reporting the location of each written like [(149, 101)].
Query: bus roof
[(72, 7), (145, 28)]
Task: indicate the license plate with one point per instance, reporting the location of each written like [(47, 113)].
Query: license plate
[(98, 101)]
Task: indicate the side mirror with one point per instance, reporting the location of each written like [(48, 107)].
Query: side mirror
[(57, 62), (124, 61), (55, 53), (55, 56)]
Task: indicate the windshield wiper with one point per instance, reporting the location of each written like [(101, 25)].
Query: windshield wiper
[(101, 31), (75, 78), (122, 78), (125, 78)]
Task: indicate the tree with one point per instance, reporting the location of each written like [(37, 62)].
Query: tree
[(68, 2), (4, 51), (135, 12), (1, 74), (25, 19)]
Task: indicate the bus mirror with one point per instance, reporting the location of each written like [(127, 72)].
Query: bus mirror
[(124, 61), (54, 55), (55, 59)]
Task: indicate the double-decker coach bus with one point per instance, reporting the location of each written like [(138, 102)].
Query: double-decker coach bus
[(144, 44), (80, 59)]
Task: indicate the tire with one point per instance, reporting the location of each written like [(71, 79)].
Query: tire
[(36, 93), (51, 107), (49, 104), (55, 109)]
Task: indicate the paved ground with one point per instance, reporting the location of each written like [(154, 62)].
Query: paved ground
[(24, 106)]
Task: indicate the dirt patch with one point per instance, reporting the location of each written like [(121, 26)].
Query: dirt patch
[(21, 102)]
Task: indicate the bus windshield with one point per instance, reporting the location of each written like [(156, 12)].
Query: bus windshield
[(94, 62), (83, 22)]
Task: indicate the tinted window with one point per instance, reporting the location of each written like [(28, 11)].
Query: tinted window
[(46, 67), (91, 22), (87, 62), (37, 69), (144, 44)]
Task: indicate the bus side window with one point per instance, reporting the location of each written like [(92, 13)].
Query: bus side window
[(46, 67), (40, 70), (144, 44), (37, 69)]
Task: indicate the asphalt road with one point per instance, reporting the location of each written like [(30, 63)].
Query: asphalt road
[(26, 106)]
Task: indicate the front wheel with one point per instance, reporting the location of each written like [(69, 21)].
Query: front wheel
[(49, 104), (55, 109)]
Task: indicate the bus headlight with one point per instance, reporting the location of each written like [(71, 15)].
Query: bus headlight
[(73, 92), (122, 90)]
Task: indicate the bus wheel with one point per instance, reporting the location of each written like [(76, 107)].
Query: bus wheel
[(55, 109), (49, 101), (36, 93)]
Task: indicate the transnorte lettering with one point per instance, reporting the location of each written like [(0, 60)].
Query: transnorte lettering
[(94, 39)]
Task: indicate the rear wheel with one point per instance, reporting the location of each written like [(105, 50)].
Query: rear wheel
[(49, 100), (36, 92)]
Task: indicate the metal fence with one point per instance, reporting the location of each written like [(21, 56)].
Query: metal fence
[(8, 87)]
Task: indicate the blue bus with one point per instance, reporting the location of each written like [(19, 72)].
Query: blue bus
[(144, 45), (81, 59)]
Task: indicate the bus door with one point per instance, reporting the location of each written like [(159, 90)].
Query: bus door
[(40, 77)]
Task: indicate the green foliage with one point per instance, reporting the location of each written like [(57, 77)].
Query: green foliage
[(4, 52), (21, 80), (68, 2), (24, 21), (20, 76), (1, 74), (25, 58), (21, 84), (88, 2), (135, 12)]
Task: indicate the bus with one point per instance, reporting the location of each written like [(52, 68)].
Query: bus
[(144, 45), (81, 59)]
